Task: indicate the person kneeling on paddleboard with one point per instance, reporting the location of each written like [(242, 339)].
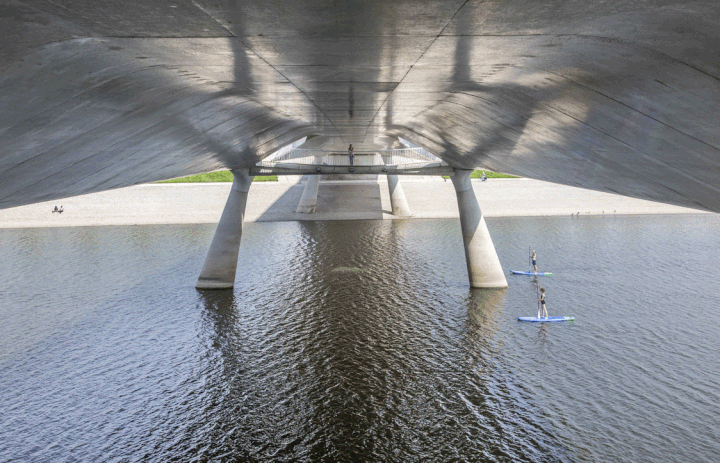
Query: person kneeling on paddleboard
[(543, 311)]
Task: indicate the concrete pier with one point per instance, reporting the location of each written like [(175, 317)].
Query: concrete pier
[(218, 272), (397, 197), (308, 201), (484, 269)]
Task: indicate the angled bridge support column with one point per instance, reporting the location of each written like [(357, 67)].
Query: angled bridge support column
[(483, 265), (398, 202), (308, 201), (221, 261)]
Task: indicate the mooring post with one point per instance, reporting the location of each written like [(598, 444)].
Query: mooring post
[(218, 272), (398, 202), (484, 269)]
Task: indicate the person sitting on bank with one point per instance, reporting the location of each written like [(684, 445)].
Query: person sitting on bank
[(483, 176), (543, 310), (534, 261), (58, 210)]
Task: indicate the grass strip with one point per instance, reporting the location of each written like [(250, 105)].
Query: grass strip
[(219, 176), (226, 176), (488, 174)]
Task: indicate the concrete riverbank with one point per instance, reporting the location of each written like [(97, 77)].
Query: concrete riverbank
[(433, 197)]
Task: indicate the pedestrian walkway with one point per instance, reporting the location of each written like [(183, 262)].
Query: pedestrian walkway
[(405, 161)]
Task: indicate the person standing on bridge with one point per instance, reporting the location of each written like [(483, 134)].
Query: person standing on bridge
[(351, 155)]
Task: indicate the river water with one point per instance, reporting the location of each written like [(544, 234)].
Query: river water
[(361, 341)]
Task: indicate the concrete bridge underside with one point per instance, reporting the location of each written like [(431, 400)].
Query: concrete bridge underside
[(615, 96)]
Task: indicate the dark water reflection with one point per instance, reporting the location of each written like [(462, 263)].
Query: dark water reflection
[(360, 341)]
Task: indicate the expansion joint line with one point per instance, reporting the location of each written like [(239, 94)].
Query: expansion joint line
[(413, 65), (594, 90), (266, 62)]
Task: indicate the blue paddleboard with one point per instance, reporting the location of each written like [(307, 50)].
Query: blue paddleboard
[(546, 320), (518, 272)]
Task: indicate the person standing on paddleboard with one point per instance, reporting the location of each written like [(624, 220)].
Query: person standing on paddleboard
[(534, 261), (543, 311)]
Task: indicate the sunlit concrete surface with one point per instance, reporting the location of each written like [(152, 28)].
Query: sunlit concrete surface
[(179, 203), (483, 265), (615, 96)]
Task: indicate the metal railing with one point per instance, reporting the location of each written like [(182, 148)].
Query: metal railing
[(405, 157), (285, 150)]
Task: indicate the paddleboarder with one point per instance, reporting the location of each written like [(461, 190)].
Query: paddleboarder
[(543, 311), (533, 257)]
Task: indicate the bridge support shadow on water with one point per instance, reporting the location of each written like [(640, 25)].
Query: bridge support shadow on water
[(483, 265)]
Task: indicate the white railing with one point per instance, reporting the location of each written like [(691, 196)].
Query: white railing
[(397, 157), (282, 152)]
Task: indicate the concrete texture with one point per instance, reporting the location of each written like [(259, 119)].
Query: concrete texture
[(308, 200), (220, 265), (483, 264), (615, 96), (398, 202), (178, 203)]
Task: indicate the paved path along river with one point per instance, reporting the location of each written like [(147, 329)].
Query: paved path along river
[(174, 203)]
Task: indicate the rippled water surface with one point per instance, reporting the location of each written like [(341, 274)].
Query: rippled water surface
[(361, 341)]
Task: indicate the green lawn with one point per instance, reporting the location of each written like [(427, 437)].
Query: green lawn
[(488, 174), (226, 176), (219, 176)]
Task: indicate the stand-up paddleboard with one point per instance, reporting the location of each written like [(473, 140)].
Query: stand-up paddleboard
[(530, 265), (518, 272), (546, 320)]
